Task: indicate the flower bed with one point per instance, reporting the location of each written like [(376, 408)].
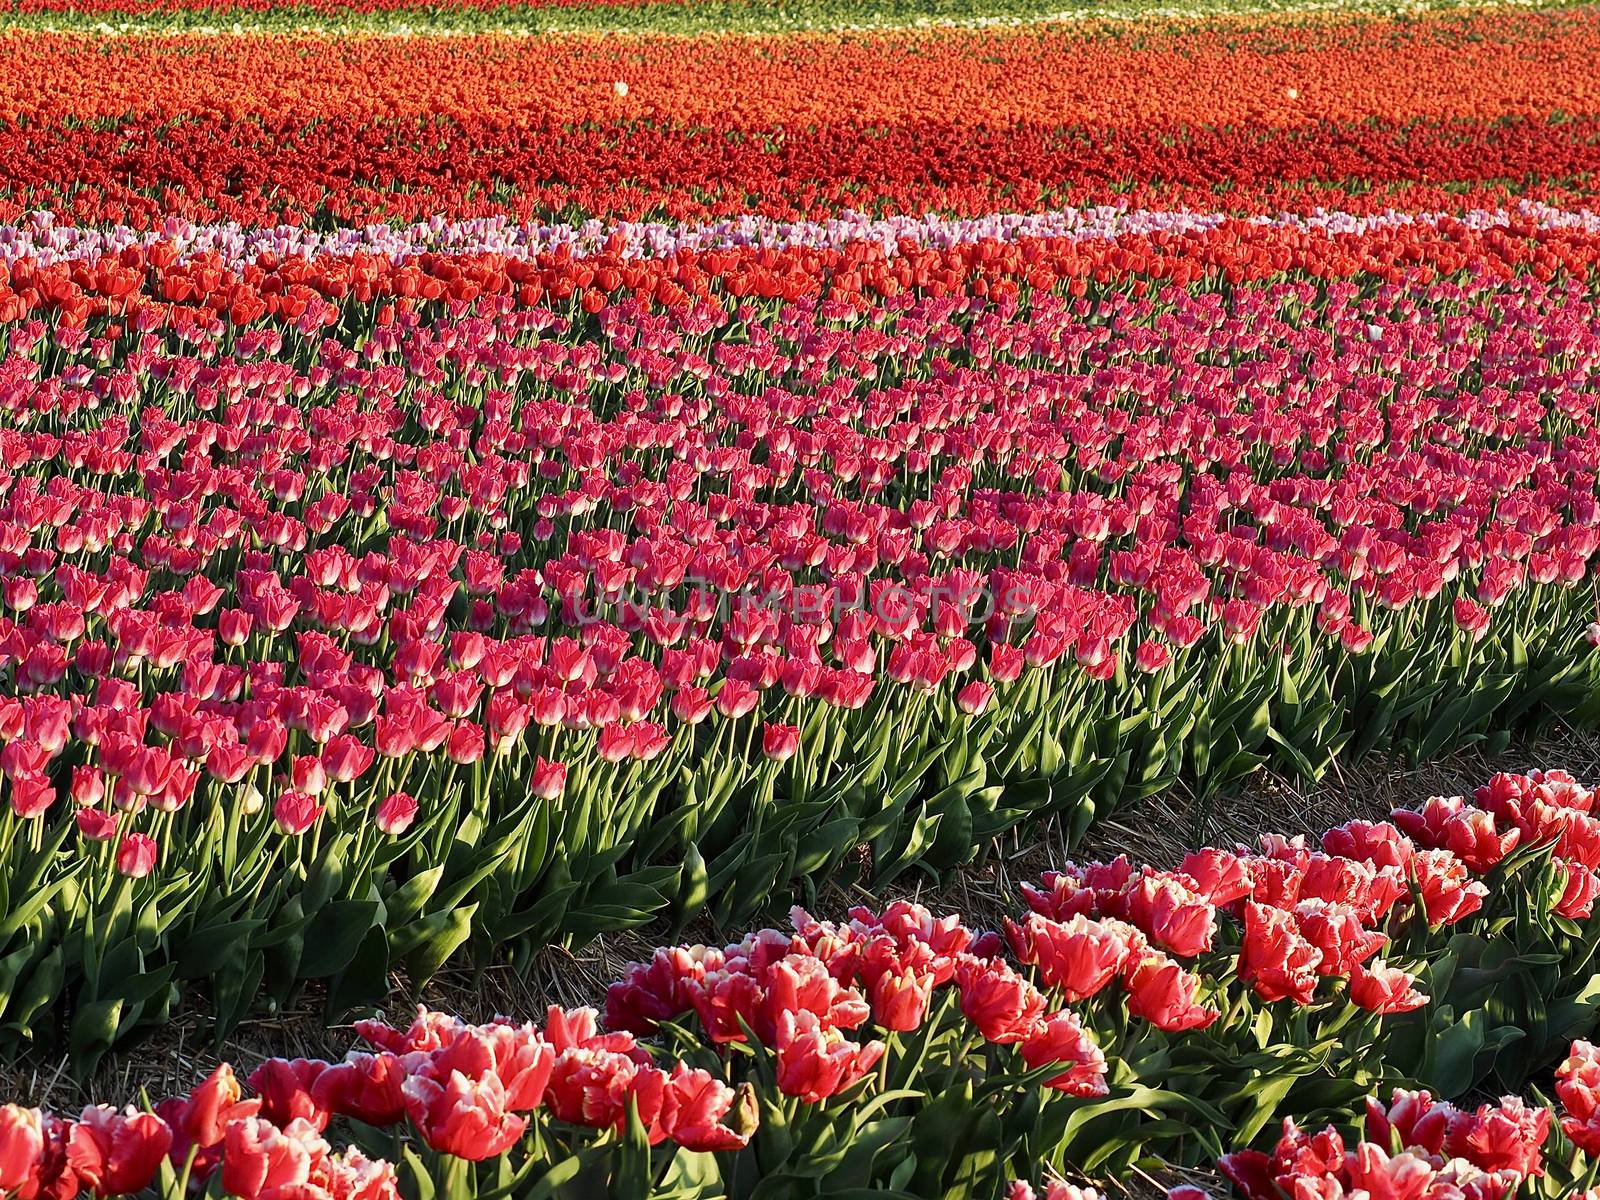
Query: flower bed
[(1458, 111), (1132, 1011), (1417, 1145), (376, 597)]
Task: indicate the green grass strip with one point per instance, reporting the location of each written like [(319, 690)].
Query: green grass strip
[(748, 17)]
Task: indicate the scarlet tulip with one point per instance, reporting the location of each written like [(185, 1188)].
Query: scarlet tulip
[(815, 1062), (136, 856), (395, 814), (21, 1145), (1163, 993), (1005, 1007), (1062, 1039), (286, 1089), (1275, 959), (295, 812), (464, 1117), (117, 1153), (1380, 988)]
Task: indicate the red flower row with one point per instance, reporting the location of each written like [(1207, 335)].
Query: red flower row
[(350, 172), (471, 1092)]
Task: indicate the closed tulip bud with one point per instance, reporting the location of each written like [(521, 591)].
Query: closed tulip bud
[(295, 812), (234, 626), (736, 698), (32, 795), (1151, 656), (307, 774), (395, 814), (779, 742), (21, 1145), (549, 779), (465, 745), (1355, 639), (88, 786), (691, 705), (97, 825), (21, 593), (974, 698), (1591, 633), (136, 857)]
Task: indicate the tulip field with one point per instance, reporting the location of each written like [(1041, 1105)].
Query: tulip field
[(487, 480)]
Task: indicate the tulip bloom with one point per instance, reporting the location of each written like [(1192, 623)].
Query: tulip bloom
[(395, 814), (1380, 988), (21, 1144), (1079, 956), (1275, 959), (1062, 1039), (549, 779), (815, 1062), (1163, 993), (974, 698), (96, 825), (295, 812), (136, 856), (117, 1153), (1005, 1007), (286, 1090), (779, 742), (203, 1117), (464, 1117), (900, 999)]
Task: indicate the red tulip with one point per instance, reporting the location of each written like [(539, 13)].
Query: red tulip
[(295, 812), (261, 1161), (779, 742), (1005, 1007), (464, 1117), (1508, 1136), (694, 1105), (117, 1153), (285, 1087), (96, 825), (1061, 1039), (1275, 959), (974, 698), (136, 856), (1411, 1119), (1163, 993), (22, 1143), (201, 1119), (549, 779), (1175, 917), (395, 814), (367, 1087), (1380, 988), (900, 999), (815, 1062), (1079, 956)]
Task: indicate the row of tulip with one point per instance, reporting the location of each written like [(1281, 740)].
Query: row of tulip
[(1457, 110), (365, 610), (1132, 1012), (1415, 1145), (350, 171), (1479, 65)]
